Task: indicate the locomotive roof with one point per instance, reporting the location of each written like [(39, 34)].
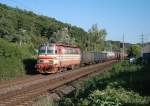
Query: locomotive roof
[(60, 44)]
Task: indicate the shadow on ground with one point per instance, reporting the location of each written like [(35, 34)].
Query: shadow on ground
[(30, 66)]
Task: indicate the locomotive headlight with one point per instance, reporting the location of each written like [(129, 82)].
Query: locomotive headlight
[(51, 62), (48, 61), (43, 61), (40, 61), (55, 61)]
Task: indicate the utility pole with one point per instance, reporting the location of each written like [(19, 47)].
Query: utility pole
[(110, 46), (142, 40), (123, 47)]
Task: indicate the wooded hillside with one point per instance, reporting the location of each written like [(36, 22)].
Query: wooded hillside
[(21, 26)]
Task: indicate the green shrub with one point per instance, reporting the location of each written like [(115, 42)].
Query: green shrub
[(125, 84), (11, 59), (66, 102), (114, 97)]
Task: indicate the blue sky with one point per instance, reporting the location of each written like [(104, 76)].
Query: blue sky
[(131, 17)]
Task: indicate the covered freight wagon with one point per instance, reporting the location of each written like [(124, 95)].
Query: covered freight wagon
[(99, 56), (87, 57)]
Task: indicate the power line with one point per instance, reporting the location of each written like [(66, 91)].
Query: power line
[(144, 38)]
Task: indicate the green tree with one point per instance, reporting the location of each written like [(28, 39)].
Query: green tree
[(62, 36), (6, 29), (38, 28), (108, 46), (23, 26), (97, 37), (21, 37), (134, 51)]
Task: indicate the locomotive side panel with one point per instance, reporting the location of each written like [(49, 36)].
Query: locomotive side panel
[(70, 56)]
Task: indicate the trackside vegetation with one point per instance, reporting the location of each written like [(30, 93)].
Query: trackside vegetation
[(124, 85), (14, 59)]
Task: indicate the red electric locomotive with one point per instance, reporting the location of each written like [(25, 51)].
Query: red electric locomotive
[(56, 56)]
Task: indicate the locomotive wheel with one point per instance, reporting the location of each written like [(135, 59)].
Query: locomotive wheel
[(55, 70)]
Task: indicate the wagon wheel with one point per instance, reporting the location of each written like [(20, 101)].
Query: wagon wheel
[(77, 66)]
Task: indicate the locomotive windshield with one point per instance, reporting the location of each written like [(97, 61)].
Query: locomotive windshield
[(42, 52), (50, 51), (46, 50)]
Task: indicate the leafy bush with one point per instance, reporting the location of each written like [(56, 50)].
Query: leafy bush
[(134, 51), (113, 97), (124, 85), (11, 59), (66, 102)]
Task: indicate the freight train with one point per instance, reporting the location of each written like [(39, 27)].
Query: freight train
[(56, 57)]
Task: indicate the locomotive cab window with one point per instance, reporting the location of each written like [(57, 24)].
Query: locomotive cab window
[(50, 51), (42, 52)]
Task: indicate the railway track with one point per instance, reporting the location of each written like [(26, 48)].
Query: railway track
[(22, 92)]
